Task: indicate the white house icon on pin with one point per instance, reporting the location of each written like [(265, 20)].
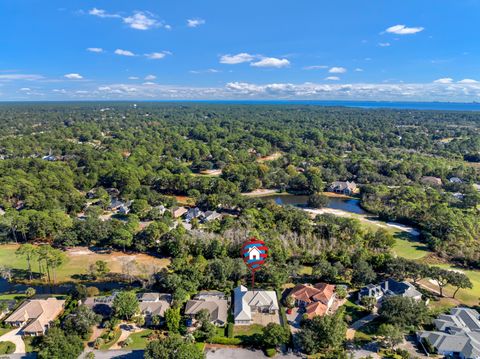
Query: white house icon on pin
[(254, 254)]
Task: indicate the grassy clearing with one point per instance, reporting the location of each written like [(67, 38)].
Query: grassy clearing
[(408, 246), (139, 340), (78, 261), (466, 296), (247, 330), (305, 270)]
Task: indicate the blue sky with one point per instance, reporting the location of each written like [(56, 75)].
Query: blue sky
[(406, 50)]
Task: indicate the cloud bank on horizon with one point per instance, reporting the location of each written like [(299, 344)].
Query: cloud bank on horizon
[(241, 50)]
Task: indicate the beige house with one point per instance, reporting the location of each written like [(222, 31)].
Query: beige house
[(36, 315), (177, 212)]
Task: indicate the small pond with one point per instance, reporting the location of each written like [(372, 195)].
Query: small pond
[(351, 205)]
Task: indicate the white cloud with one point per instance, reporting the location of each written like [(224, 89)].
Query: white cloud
[(384, 44), (149, 83), (444, 80), (468, 81), (101, 13), (236, 59), (158, 55), (150, 77), (95, 49), (271, 62), (25, 89), (403, 30), (332, 78), (358, 69), (73, 76), (26, 77), (133, 78), (141, 21), (308, 91), (124, 52), (207, 71), (167, 27), (195, 22), (315, 67), (337, 70)]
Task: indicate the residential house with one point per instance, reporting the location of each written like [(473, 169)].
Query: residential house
[(347, 188), (455, 180), (247, 302), (154, 304), (101, 305), (390, 287), (210, 216), (316, 300), (160, 209), (214, 302), (50, 158), (36, 315), (177, 212), (431, 181), (476, 186), (457, 334), (193, 213)]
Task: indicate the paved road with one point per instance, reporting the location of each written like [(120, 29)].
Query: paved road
[(118, 354), (14, 337), (240, 353)]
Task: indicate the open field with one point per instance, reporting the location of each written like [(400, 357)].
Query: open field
[(79, 259)]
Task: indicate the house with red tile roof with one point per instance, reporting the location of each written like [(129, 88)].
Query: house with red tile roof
[(316, 299)]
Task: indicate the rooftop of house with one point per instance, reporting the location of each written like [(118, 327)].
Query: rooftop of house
[(436, 181), (218, 308), (457, 332), (391, 287), (320, 292), (154, 297), (342, 185), (245, 299), (39, 312), (154, 308)]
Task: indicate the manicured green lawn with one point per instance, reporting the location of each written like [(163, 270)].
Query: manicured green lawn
[(7, 348), (5, 330), (139, 340), (467, 296), (12, 296), (247, 330), (354, 310), (408, 246)]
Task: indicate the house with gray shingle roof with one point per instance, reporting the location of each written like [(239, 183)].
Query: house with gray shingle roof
[(213, 302), (457, 334)]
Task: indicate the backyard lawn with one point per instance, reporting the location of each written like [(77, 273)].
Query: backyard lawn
[(247, 330)]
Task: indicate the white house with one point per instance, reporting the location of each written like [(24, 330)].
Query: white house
[(247, 302)]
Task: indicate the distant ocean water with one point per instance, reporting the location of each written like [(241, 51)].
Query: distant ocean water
[(439, 106)]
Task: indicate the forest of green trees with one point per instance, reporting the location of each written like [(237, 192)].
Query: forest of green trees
[(53, 154)]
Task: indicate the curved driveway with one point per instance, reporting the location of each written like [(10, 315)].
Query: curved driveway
[(15, 337)]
